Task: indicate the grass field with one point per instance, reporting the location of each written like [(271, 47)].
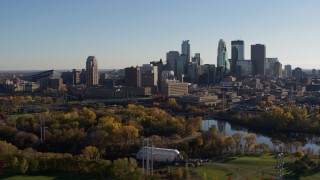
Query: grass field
[(209, 171), (243, 167)]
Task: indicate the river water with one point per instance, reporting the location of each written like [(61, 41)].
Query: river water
[(272, 138)]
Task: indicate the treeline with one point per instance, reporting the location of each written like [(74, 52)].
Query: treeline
[(116, 131), (214, 144), (292, 119), (29, 160)]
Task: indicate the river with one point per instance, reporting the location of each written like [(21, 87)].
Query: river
[(272, 138)]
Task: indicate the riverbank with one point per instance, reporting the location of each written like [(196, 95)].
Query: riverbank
[(256, 123)]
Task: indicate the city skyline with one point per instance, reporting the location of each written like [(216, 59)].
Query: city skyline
[(60, 35)]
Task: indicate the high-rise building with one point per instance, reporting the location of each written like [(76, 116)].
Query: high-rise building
[(76, 76), (197, 59), (222, 59), (149, 75), (185, 49), (277, 69), (314, 73), (237, 53), (288, 70), (172, 59), (297, 73), (245, 68), (182, 65), (160, 67), (258, 58), (132, 77), (207, 74), (92, 76), (270, 65)]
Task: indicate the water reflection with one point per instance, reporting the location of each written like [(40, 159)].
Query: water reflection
[(272, 138)]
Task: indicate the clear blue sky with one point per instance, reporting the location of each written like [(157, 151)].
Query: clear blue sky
[(61, 34)]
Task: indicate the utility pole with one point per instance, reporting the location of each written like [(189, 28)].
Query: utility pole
[(147, 156)]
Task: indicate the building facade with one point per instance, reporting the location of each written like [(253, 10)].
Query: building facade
[(288, 70), (172, 58), (222, 58), (92, 75), (237, 53), (258, 58), (132, 77)]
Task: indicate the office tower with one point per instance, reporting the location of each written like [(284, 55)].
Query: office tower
[(237, 53), (149, 75), (76, 76), (258, 58), (197, 59), (244, 68), (67, 78), (182, 65), (288, 70), (132, 77), (160, 67), (172, 59), (297, 73), (193, 72), (185, 49), (92, 76), (222, 59), (207, 74), (270, 65), (277, 68), (314, 73)]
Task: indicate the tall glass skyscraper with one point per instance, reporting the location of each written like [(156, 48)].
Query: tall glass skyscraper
[(185, 49), (222, 59), (237, 53)]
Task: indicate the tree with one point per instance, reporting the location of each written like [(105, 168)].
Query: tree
[(299, 154), (229, 143), (237, 139), (250, 140), (91, 152), (126, 169), (24, 165), (7, 148), (128, 133)]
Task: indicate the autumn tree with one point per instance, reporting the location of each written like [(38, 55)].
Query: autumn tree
[(91, 152), (237, 137), (250, 140)]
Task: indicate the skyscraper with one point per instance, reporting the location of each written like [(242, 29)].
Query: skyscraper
[(277, 69), (185, 49), (288, 70), (172, 58), (197, 59), (237, 53), (132, 77), (258, 57), (222, 59), (92, 75)]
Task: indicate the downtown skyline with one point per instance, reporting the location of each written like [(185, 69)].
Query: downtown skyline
[(61, 35)]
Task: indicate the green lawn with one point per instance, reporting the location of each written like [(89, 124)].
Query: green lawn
[(264, 160), (43, 176), (211, 171), (246, 166)]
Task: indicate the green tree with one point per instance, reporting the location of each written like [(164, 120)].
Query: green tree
[(24, 165)]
